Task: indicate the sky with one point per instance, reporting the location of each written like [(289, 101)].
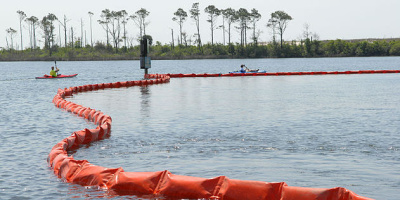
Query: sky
[(329, 19)]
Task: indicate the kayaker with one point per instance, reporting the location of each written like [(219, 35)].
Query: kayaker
[(53, 72), (243, 69)]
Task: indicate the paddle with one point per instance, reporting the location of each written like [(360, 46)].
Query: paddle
[(55, 64)]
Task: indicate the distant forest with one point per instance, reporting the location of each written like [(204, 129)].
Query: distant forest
[(307, 48), (68, 45)]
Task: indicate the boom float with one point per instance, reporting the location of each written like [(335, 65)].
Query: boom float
[(285, 73), (161, 183)]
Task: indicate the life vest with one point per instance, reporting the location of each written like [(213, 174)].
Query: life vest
[(53, 73)]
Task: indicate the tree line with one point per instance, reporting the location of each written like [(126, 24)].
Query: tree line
[(115, 25), (113, 22), (303, 49), (118, 45)]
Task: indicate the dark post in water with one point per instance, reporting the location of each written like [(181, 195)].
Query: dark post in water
[(145, 61)]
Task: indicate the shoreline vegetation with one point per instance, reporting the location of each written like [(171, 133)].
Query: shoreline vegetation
[(294, 49)]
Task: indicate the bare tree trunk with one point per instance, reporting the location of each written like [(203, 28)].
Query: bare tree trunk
[(34, 36), (223, 30), (20, 28), (172, 32), (91, 30), (229, 33), (30, 36), (144, 28), (254, 35), (81, 32), (180, 28), (8, 46), (108, 38), (59, 33), (125, 35), (65, 31), (72, 37), (212, 35), (245, 34)]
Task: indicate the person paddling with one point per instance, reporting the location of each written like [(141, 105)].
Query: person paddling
[(243, 68), (54, 72)]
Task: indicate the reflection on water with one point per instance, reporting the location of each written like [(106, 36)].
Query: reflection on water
[(145, 102)]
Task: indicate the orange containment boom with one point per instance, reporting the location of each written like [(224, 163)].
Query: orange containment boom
[(161, 183), (284, 73)]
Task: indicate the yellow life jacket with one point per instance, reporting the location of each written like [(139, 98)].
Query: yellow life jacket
[(53, 73)]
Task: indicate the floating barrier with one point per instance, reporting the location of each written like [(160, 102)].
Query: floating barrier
[(162, 183), (284, 73)]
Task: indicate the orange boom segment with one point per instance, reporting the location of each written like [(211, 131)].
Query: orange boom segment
[(164, 183)]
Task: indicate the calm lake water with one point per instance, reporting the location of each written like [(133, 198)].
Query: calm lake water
[(311, 131)]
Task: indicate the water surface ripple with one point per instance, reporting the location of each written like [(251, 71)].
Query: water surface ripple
[(310, 131)]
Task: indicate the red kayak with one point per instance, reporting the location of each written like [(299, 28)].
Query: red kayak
[(59, 76)]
